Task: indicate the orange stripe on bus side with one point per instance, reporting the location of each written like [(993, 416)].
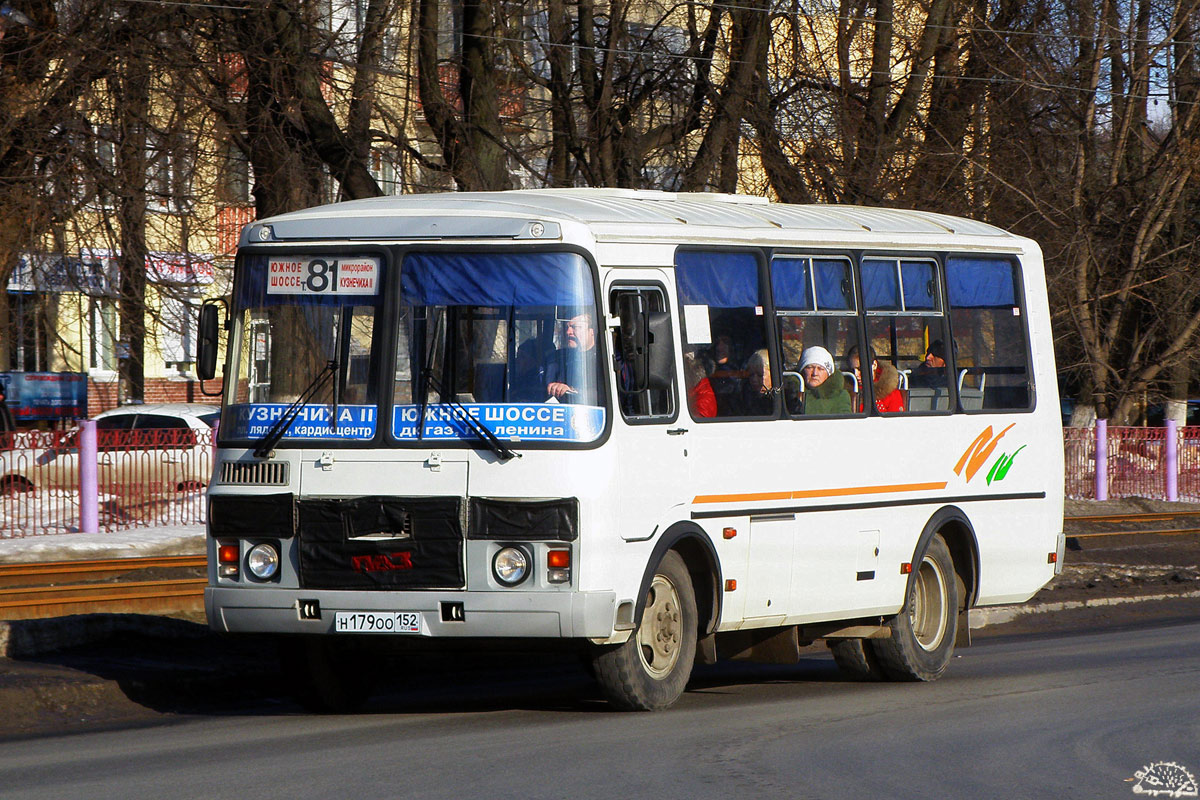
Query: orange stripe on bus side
[(814, 493)]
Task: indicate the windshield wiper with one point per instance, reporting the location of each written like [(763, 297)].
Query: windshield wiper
[(271, 438), (476, 427)]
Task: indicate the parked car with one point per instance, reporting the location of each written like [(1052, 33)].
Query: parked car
[(165, 446), (1156, 414), (1067, 405)]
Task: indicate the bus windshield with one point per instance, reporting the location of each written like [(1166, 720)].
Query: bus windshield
[(509, 338), (308, 333)]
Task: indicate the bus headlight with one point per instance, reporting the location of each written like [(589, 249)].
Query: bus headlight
[(263, 561), (511, 565)]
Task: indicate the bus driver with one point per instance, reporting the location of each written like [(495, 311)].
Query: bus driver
[(571, 373)]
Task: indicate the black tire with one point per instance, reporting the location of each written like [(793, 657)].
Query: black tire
[(650, 671), (856, 659), (922, 640), (323, 674), (14, 484)]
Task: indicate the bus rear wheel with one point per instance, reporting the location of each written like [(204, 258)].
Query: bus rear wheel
[(856, 659), (922, 634), (650, 671)]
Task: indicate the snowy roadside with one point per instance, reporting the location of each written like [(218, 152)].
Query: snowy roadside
[(159, 540)]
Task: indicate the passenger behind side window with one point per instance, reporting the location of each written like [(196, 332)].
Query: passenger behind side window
[(825, 386)]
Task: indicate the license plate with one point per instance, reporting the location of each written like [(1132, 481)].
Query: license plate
[(378, 622)]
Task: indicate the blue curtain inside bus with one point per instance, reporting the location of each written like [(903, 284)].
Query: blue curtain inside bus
[(496, 279), (790, 285), (980, 283), (881, 292), (793, 292), (920, 291), (719, 280)]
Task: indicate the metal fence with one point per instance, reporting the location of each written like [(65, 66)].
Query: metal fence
[(144, 477), (1079, 450), (1138, 463)]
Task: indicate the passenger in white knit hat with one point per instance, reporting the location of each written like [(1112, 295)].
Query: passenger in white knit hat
[(817, 357), (825, 388)]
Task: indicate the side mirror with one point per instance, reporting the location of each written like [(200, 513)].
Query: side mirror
[(661, 350), (635, 340), (646, 344), (206, 342)]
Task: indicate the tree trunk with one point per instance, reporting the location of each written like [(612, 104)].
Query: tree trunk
[(132, 100)]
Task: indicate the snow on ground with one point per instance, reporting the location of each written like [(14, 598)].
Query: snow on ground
[(159, 540)]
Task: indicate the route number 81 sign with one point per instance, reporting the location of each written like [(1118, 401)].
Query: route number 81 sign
[(323, 275)]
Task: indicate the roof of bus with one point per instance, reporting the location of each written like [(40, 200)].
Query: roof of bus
[(509, 213)]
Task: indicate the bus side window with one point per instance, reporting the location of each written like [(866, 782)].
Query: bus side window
[(991, 350), (729, 372), (815, 306), (648, 404), (906, 331)]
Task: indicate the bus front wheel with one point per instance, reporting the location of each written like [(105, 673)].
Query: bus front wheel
[(650, 671), (922, 634)]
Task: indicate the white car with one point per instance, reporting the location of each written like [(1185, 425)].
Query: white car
[(155, 447)]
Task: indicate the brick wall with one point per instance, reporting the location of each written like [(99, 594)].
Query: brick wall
[(102, 395)]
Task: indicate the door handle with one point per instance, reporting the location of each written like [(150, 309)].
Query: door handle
[(676, 431)]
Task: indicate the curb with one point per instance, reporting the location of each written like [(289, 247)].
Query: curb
[(995, 615)]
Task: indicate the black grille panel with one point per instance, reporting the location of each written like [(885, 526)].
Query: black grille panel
[(381, 543)]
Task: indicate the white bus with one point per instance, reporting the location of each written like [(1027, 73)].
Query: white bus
[(630, 422)]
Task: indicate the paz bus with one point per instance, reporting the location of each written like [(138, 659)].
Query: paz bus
[(629, 423)]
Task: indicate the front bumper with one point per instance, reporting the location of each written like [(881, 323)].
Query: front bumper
[(561, 615)]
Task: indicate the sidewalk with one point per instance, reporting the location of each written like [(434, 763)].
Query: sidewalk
[(160, 540)]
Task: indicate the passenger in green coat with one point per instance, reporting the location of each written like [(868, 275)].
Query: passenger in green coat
[(825, 387)]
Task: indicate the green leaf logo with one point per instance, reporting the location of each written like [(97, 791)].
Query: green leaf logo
[(1002, 465)]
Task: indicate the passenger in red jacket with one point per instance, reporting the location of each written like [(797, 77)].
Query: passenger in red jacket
[(885, 382), (701, 399)]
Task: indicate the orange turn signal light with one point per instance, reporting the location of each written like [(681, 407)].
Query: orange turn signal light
[(558, 559), (729, 533), (1052, 558), (731, 585), (906, 568), (228, 553)]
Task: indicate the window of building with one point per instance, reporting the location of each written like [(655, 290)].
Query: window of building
[(170, 162), (102, 334), (236, 179), (177, 332), (385, 171)]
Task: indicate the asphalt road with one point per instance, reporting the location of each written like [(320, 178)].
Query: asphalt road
[(1055, 716)]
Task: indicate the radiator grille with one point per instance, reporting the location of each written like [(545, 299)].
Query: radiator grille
[(254, 473)]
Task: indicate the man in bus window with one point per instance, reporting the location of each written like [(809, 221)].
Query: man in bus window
[(571, 373), (726, 380), (825, 387), (932, 373), (758, 398)]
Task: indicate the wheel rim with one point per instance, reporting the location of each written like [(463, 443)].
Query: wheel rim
[(660, 633), (929, 617)]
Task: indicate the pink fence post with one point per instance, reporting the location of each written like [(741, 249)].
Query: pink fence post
[(89, 494), (1101, 459), (1172, 466)]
